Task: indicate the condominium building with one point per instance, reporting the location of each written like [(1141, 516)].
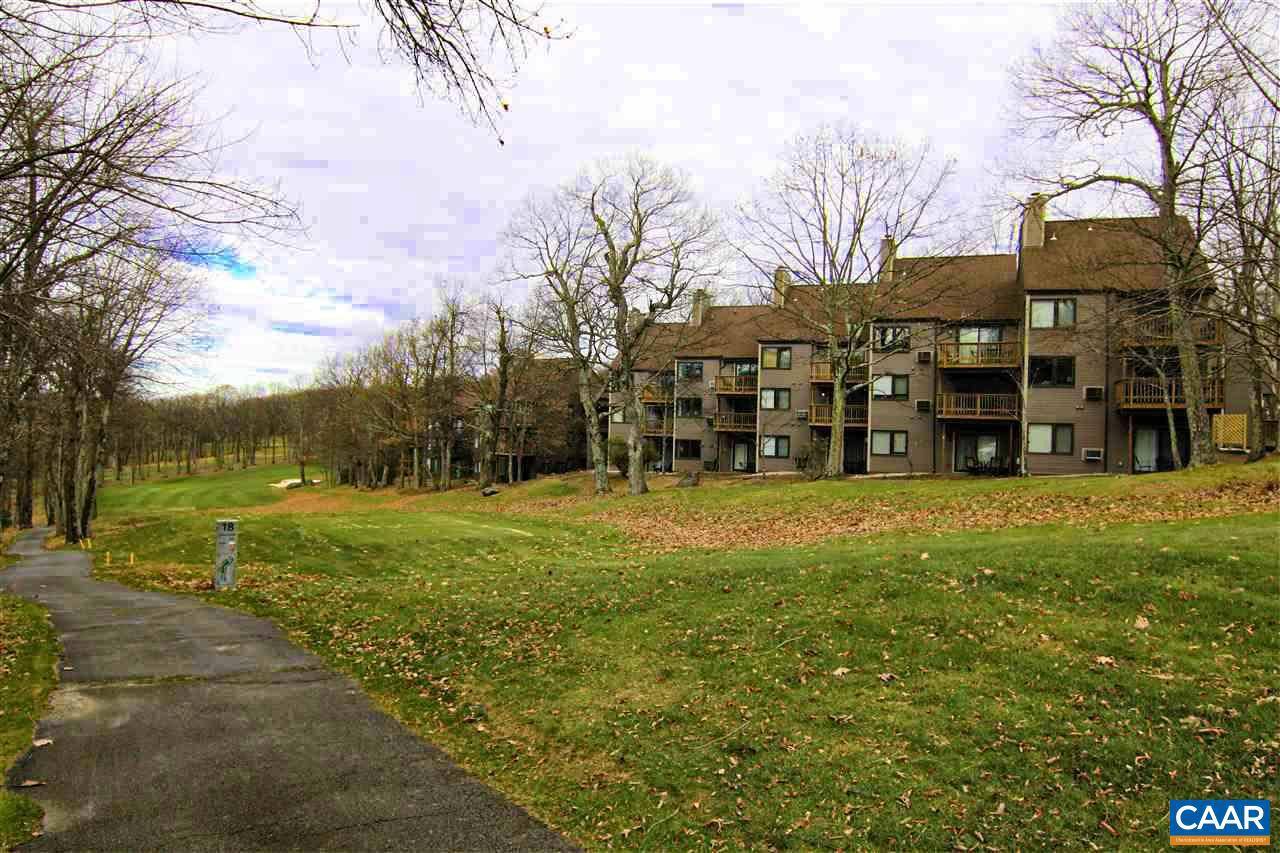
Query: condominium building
[(1072, 328)]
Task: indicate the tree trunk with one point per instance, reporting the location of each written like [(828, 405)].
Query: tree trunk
[(595, 442), (835, 449), (637, 483)]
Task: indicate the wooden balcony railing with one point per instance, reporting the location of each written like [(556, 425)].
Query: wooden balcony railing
[(736, 421), (1159, 331), (1151, 393), (654, 426), (984, 354), (735, 384), (656, 393), (855, 414), (991, 406), (820, 371)]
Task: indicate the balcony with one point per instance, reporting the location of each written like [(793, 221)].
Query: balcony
[(987, 354), (1151, 394), (820, 371), (736, 421), (994, 407), (656, 393), (735, 384), (1159, 331), (854, 414), (656, 426)]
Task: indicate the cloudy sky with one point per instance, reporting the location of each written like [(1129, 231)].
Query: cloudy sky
[(401, 194)]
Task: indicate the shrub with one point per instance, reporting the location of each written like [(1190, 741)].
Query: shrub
[(618, 454)]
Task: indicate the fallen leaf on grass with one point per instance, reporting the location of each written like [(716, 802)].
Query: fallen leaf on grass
[(925, 555), (1105, 660), (886, 677), (44, 741), (29, 783), (1141, 623)]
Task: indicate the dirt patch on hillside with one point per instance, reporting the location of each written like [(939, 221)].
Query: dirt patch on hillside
[(653, 525)]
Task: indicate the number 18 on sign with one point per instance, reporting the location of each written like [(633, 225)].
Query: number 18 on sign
[(224, 567)]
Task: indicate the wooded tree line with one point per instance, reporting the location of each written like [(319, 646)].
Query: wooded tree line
[(109, 190)]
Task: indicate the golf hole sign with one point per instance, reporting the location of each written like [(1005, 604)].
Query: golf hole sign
[(224, 566)]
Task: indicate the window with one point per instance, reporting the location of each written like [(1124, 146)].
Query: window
[(1050, 438), (743, 368), (980, 334), (1053, 313), (893, 337), (888, 442), (689, 370), (688, 448), (618, 416), (1053, 371), (775, 446), (688, 407), (776, 357), (891, 387), (775, 398)]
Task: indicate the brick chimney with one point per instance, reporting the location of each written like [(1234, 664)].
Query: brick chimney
[(888, 254), (781, 286), (1033, 222), (701, 302)]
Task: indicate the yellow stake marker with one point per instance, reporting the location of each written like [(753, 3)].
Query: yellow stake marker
[(131, 558), (108, 558)]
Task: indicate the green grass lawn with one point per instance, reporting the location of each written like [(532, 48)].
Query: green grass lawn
[(231, 488), (28, 650), (1040, 680)]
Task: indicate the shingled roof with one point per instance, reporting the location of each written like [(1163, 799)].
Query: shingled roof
[(1122, 254)]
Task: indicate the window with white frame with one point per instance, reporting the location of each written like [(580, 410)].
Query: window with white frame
[(1058, 439), (891, 387), (775, 398), (1053, 313), (775, 357), (888, 442), (775, 446), (893, 337)]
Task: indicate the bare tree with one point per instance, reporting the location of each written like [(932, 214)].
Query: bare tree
[(1133, 81), (831, 218), (555, 246), (658, 245), (458, 49)]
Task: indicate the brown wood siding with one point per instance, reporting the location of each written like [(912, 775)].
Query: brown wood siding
[(902, 414), (1087, 343), (788, 422)]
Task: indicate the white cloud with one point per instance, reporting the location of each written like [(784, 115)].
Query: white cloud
[(398, 190)]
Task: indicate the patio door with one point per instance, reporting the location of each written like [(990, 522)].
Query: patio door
[(969, 338), (974, 450), (741, 455), (1146, 450)]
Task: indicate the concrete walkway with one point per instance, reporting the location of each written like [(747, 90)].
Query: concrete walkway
[(179, 725)]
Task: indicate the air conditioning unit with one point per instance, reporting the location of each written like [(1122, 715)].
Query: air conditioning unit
[(924, 406), (1091, 454), (924, 356), (802, 414), (1093, 393)]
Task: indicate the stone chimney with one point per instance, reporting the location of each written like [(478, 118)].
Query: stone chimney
[(1033, 222), (888, 254), (701, 303), (781, 286)]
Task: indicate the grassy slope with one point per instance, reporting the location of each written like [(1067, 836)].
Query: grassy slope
[(1021, 687), (28, 649)]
